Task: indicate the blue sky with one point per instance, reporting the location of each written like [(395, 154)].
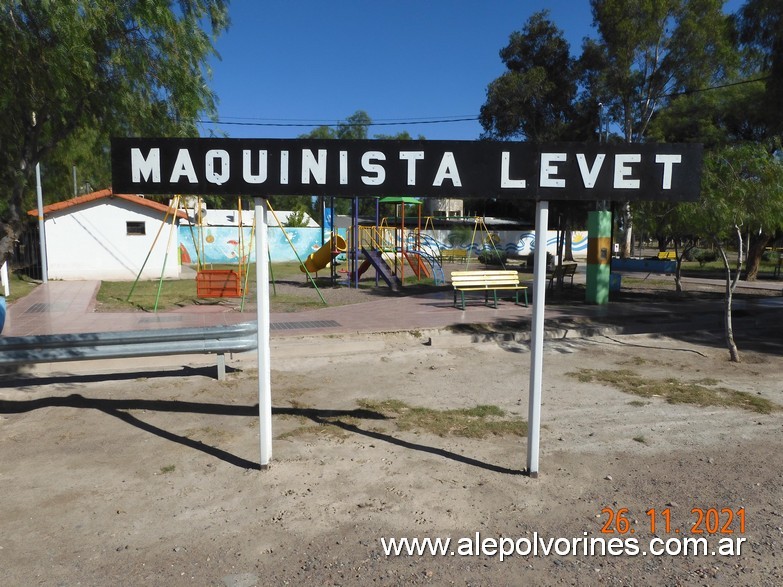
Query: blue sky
[(314, 62)]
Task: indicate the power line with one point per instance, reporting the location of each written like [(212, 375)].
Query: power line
[(272, 123), (297, 123), (719, 87)]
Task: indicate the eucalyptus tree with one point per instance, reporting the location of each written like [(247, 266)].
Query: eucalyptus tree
[(746, 107), (534, 98), (760, 27), (646, 52), (101, 67)]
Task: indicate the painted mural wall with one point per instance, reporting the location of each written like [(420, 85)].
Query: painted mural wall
[(514, 243), (225, 245)]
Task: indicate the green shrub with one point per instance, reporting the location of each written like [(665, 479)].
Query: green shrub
[(703, 256), (493, 257)]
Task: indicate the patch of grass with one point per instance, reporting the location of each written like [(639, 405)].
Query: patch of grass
[(167, 469), (631, 281), (19, 286), (477, 422), (328, 430), (708, 381), (701, 393), (637, 403), (636, 361), (113, 295)]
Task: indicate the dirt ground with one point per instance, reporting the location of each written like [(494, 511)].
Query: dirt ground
[(149, 477)]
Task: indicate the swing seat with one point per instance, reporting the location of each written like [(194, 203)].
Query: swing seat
[(218, 283)]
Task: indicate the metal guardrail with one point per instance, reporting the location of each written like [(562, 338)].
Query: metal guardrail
[(53, 348)]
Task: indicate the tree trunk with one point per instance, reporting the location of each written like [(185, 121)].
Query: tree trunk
[(626, 234), (731, 284), (569, 251), (678, 268), (680, 257), (756, 248)]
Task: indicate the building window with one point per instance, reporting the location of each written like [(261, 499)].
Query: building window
[(136, 228)]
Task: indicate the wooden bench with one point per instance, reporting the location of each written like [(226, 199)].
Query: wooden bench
[(667, 255), (565, 270), (487, 281), (455, 255)]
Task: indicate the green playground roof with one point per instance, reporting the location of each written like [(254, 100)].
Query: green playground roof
[(400, 200)]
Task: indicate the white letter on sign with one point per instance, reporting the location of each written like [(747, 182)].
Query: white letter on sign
[(447, 170), (343, 167), (283, 167), (505, 181), (378, 170), (411, 157), (247, 161), (141, 167), (621, 171), (212, 175), (183, 166), (668, 161), (545, 179), (313, 166), (590, 175)]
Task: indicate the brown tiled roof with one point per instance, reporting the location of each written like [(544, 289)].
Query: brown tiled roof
[(107, 193)]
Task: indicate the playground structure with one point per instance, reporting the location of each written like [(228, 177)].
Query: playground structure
[(392, 248), (389, 249)]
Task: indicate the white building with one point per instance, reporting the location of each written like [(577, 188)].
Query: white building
[(448, 207), (108, 236)]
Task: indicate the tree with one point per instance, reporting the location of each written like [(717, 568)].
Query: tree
[(83, 154), (649, 50), (742, 188), (746, 109), (760, 27), (297, 218), (714, 118), (90, 69), (534, 98)]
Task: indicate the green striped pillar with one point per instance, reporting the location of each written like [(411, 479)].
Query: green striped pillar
[(599, 253)]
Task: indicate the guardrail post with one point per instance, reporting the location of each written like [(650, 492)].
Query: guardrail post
[(221, 367)]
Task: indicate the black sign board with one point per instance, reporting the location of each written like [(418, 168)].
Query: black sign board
[(457, 169)]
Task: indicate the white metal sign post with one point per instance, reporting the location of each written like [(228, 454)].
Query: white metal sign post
[(537, 339), (264, 354)]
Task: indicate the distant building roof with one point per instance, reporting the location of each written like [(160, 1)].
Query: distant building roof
[(107, 193)]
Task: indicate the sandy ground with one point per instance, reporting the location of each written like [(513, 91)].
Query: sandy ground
[(148, 478)]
